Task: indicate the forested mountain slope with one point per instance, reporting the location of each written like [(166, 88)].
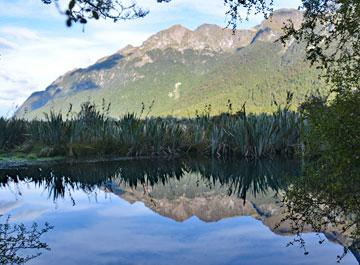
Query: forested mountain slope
[(181, 71)]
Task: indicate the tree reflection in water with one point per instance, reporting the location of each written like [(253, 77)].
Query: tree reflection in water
[(310, 202), (239, 177), (325, 203), (18, 242)]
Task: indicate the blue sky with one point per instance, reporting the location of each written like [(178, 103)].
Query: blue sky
[(36, 47)]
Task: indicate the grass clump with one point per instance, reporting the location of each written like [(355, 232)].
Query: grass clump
[(91, 132)]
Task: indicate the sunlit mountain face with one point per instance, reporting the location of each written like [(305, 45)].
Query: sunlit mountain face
[(156, 212), (178, 71)]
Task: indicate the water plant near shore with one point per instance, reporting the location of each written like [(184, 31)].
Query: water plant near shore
[(92, 132)]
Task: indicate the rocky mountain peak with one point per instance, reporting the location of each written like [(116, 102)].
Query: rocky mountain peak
[(281, 17), (271, 29), (205, 37), (207, 28), (215, 38), (171, 37), (175, 33), (127, 50)]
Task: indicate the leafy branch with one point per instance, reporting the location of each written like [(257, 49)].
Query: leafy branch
[(17, 237), (83, 10)]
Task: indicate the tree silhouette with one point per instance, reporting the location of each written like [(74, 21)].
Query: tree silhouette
[(16, 238)]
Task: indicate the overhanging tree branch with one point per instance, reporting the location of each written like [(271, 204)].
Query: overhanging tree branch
[(83, 10)]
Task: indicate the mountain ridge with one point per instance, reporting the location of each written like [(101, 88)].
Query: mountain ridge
[(209, 60), (191, 197)]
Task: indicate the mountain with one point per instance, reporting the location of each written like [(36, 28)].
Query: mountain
[(182, 70), (210, 201)]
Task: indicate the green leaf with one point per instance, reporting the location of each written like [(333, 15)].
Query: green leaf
[(72, 4), (69, 22), (95, 14)]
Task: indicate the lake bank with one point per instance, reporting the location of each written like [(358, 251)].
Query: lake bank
[(9, 162)]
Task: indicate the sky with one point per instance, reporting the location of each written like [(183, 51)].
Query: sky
[(36, 47)]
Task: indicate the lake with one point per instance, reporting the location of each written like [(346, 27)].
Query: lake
[(166, 212)]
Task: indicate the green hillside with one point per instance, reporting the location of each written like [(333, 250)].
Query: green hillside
[(181, 71)]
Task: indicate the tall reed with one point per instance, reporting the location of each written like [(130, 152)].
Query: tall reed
[(92, 132)]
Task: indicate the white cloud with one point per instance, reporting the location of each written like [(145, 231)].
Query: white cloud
[(36, 59), (6, 44), (20, 33)]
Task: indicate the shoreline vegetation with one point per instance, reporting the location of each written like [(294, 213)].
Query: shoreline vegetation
[(92, 133)]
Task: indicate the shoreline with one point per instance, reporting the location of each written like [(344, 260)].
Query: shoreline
[(12, 163)]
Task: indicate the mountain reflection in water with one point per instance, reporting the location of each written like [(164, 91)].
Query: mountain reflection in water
[(179, 190)]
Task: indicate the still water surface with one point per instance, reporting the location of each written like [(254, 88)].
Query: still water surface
[(164, 212)]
